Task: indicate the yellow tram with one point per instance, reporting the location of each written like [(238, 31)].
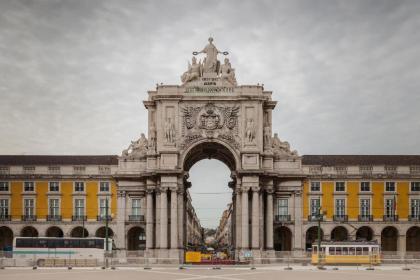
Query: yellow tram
[(347, 252)]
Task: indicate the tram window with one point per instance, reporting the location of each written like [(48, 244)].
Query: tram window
[(338, 251), (345, 251), (352, 251), (315, 249), (331, 251), (359, 251), (365, 250)]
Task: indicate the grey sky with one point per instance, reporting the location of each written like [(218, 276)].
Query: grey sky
[(73, 73)]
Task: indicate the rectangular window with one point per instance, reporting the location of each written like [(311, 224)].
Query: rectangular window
[(4, 186), (282, 207), (340, 186), (54, 186), (102, 207), (29, 186), (365, 186), (315, 186), (315, 204), (79, 207), (390, 186), (104, 186), (390, 207), (365, 207), (4, 207), (415, 186), (54, 169), (415, 208), (340, 207), (54, 207), (79, 186), (28, 207), (135, 207)]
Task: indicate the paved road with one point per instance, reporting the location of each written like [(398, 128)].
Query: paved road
[(205, 273)]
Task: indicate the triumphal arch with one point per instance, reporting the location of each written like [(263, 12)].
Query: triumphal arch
[(209, 115)]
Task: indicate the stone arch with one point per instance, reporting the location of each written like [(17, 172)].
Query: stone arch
[(79, 232), (54, 231), (136, 239), (6, 238), (413, 239), (339, 233), (210, 149), (29, 231), (312, 236), (389, 239), (100, 232), (282, 239), (364, 233)]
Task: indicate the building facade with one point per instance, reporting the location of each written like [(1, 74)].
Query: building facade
[(275, 191)]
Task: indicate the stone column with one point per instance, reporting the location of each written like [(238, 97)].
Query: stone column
[(402, 245), (255, 218), (269, 220), (149, 219), (245, 219), (298, 236), (121, 213), (174, 218), (163, 218), (238, 219), (157, 217)]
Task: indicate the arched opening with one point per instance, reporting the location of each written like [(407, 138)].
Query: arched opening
[(413, 239), (101, 232), (339, 234), (389, 239), (6, 239), (54, 232), (136, 239), (211, 184), (29, 232), (79, 232), (364, 233), (312, 236), (282, 239)]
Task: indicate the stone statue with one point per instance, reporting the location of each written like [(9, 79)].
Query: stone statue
[(267, 138), (152, 137), (210, 64), (137, 149), (227, 72), (250, 130), (193, 72), (169, 131), (282, 147)]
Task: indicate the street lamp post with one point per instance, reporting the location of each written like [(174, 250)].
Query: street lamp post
[(319, 217)]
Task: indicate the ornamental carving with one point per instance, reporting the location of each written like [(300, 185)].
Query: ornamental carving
[(210, 117), (210, 121)]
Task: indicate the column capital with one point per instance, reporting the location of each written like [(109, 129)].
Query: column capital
[(150, 190), (173, 189), (163, 189), (255, 189), (121, 193), (245, 189), (269, 191)]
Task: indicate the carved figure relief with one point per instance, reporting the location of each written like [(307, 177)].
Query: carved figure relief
[(137, 149), (250, 130), (227, 72), (194, 71), (169, 131), (152, 138), (267, 138)]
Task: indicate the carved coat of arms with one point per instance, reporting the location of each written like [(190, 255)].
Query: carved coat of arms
[(210, 117)]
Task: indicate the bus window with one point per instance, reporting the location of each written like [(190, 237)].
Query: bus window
[(74, 243), (99, 243), (41, 243), (358, 251), (331, 251), (24, 243)]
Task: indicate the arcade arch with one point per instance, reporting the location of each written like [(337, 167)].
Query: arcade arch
[(29, 231), (282, 239), (6, 237), (364, 233), (54, 232), (79, 232), (389, 239), (312, 236), (339, 233), (413, 239)]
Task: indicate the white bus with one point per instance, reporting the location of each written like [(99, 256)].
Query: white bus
[(60, 248)]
